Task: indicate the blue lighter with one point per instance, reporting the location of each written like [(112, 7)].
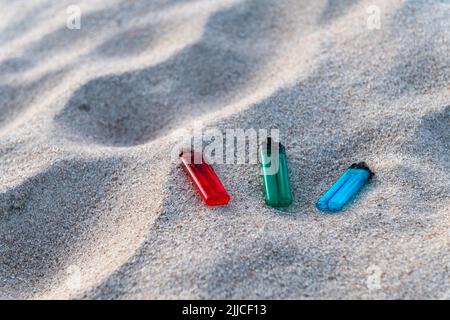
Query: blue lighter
[(348, 184)]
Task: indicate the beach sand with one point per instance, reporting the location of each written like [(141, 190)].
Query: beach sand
[(92, 205)]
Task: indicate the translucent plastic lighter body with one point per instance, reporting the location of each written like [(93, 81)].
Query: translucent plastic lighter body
[(343, 190), (277, 188), (205, 179)]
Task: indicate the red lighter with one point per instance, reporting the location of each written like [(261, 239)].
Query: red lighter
[(205, 179)]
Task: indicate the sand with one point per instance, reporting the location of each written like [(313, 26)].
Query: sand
[(93, 206)]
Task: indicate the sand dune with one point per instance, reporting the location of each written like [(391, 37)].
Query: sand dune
[(93, 206)]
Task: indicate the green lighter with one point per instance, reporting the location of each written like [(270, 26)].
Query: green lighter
[(277, 188)]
